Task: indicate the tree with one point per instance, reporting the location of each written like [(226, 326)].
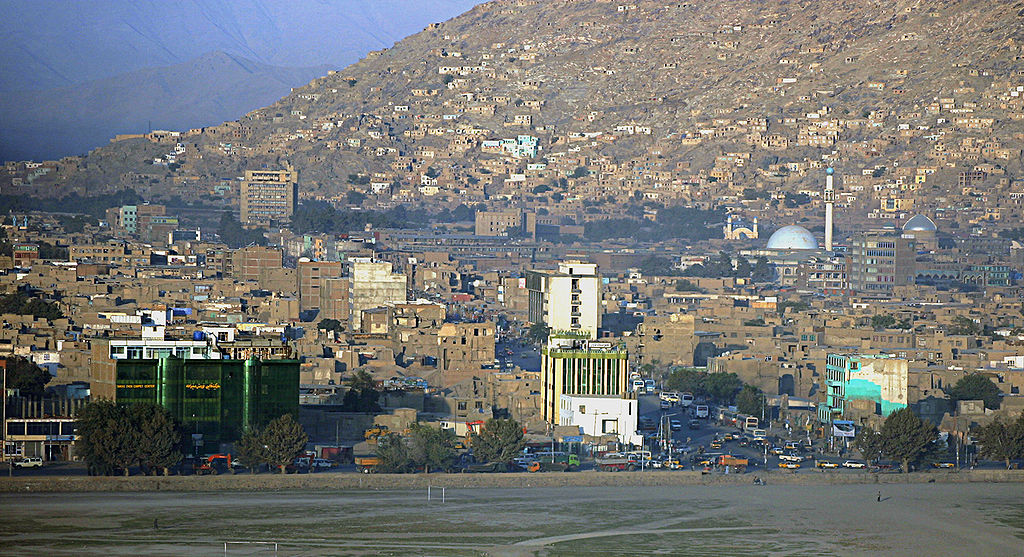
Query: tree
[(687, 380), (656, 265), (869, 443), (1002, 441), (498, 441), (751, 401), (538, 333), (362, 394), (763, 271), (393, 453), (431, 447), (906, 437), (235, 236), (976, 386), (108, 441), (159, 437), (882, 321), (25, 376), (580, 172), (21, 304), (683, 285), (723, 386), (964, 326), (250, 450), (284, 439), (330, 325)]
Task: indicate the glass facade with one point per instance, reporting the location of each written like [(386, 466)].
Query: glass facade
[(220, 399)]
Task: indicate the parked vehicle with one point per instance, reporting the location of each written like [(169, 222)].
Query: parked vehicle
[(854, 464), (613, 462), (213, 465), (488, 467), (323, 463), (29, 462), (367, 464), (736, 463), (568, 463)]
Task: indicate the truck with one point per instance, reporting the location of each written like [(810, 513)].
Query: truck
[(487, 467), (735, 463), (376, 432), (613, 462), (367, 464), (557, 463)]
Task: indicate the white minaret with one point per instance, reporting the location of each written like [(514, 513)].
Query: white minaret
[(830, 197)]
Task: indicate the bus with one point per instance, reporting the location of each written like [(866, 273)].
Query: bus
[(750, 423)]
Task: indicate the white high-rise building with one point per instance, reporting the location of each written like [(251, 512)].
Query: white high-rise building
[(567, 300)]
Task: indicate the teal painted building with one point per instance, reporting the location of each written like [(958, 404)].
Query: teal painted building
[(219, 399), (858, 384)]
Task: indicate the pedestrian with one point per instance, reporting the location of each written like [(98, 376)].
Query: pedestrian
[(155, 525), (879, 497)]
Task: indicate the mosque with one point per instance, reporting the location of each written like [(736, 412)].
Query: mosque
[(802, 262)]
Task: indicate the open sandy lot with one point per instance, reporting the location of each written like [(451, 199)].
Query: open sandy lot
[(921, 519)]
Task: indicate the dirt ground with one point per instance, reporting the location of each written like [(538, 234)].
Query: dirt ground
[(922, 519)]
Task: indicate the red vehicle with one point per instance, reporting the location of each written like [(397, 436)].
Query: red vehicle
[(213, 465)]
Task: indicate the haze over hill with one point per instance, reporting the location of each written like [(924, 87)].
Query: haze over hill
[(583, 107), (69, 67)]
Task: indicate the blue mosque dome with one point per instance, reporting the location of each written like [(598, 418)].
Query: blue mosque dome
[(792, 238), (920, 223)]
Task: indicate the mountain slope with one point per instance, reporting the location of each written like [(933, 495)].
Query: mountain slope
[(692, 103)]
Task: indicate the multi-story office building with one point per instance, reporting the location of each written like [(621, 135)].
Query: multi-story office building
[(218, 399), (312, 277), (371, 285), (880, 261), (566, 300), (576, 365), (247, 262), (858, 385), (268, 195)]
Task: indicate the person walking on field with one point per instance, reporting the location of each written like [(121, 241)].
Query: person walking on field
[(879, 498)]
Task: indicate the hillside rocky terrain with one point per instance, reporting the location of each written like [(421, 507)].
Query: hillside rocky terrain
[(580, 106)]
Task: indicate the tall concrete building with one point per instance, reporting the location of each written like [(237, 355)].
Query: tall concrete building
[(371, 285), (312, 276), (573, 365), (566, 300), (880, 261), (268, 195), (247, 262), (860, 385), (334, 299)]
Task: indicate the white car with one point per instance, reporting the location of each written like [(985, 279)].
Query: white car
[(790, 457), (29, 462), (323, 463), (854, 464)]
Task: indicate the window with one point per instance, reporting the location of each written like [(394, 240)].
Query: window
[(583, 409), (462, 405), (610, 426)]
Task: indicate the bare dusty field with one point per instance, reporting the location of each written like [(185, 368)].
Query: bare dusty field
[(911, 519)]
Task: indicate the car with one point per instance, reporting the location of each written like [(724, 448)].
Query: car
[(676, 425), (728, 437), (665, 405), (826, 464), (744, 442), (943, 465), (29, 462), (694, 424), (716, 444), (323, 463), (789, 465), (854, 464), (776, 450), (790, 457)]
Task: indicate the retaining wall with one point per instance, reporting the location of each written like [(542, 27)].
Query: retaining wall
[(336, 481)]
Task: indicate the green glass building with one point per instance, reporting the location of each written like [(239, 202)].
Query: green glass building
[(220, 399)]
